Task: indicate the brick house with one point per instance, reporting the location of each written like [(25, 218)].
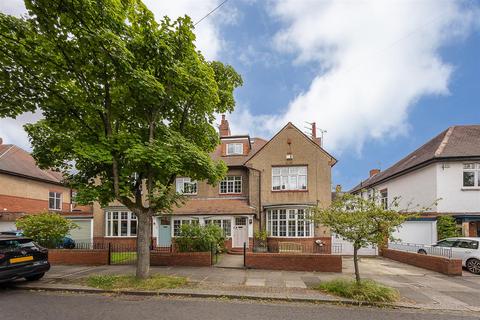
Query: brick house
[(27, 189), (269, 186), (442, 175)]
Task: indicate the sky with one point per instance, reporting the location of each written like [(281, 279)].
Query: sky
[(381, 77)]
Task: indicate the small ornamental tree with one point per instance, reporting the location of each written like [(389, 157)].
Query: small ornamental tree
[(128, 103), (447, 227), (360, 221), (47, 228)]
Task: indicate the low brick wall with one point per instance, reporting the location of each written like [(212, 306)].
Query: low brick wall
[(309, 243), (294, 262), (80, 257), (451, 267), (192, 259)]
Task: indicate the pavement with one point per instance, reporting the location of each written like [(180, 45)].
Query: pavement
[(15, 305), (419, 288)]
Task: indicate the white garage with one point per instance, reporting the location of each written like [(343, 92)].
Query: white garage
[(7, 226), (84, 232), (417, 232), (347, 247)]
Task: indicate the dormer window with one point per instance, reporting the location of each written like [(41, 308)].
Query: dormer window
[(234, 149)]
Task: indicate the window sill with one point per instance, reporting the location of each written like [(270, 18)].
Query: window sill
[(290, 237), (280, 191), (470, 188), (231, 194), (121, 237)]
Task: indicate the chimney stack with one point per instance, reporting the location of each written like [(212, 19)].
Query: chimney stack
[(314, 130), (224, 128), (374, 172)]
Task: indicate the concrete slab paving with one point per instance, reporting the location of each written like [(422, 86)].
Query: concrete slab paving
[(254, 282), (295, 284)]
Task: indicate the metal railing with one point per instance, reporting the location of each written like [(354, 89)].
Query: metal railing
[(422, 249), (297, 247)]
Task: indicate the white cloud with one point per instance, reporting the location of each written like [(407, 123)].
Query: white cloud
[(374, 60), (11, 130)]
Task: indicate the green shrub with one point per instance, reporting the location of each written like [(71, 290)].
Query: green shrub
[(47, 228), (196, 238), (366, 291), (447, 227)]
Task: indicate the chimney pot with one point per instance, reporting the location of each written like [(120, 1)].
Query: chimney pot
[(374, 172), (1, 141), (314, 130)]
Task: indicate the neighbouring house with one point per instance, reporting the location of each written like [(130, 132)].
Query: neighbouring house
[(27, 189), (270, 185), (442, 175)]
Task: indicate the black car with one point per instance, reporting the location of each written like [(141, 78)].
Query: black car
[(20, 257)]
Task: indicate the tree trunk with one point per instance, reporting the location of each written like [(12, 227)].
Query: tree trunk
[(143, 245), (355, 264)]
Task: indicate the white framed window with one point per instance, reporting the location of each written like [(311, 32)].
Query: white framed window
[(121, 224), (289, 223), (54, 200), (234, 148), (471, 175), (177, 225), (186, 186), (231, 184), (225, 224), (384, 198), (289, 178)]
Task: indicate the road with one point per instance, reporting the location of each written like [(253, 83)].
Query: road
[(19, 305)]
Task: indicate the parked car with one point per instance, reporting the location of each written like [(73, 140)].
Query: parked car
[(466, 249), (20, 257), (66, 243)]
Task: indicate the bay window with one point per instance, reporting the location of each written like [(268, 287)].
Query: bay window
[(289, 223), (177, 225), (471, 175), (186, 186), (289, 178), (224, 224), (121, 224), (231, 184)]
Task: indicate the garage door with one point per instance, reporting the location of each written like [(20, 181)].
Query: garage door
[(7, 226), (84, 231), (417, 232), (347, 247)]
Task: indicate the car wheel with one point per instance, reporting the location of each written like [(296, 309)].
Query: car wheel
[(473, 265), (421, 251), (35, 277)]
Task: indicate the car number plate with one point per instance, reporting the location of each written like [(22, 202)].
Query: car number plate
[(21, 259)]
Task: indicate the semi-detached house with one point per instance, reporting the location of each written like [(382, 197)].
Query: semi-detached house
[(270, 185), (443, 175), (26, 189)]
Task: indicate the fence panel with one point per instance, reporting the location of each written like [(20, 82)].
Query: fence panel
[(422, 249)]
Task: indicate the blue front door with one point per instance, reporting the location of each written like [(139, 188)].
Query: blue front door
[(164, 235)]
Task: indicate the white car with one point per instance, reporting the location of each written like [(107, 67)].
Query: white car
[(466, 249)]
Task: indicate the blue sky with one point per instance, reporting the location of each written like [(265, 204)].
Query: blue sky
[(382, 77)]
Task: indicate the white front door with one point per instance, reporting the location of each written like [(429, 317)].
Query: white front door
[(240, 232)]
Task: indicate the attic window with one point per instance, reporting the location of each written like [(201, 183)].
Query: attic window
[(234, 149)]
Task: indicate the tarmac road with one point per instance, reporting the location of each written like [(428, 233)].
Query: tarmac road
[(20, 304)]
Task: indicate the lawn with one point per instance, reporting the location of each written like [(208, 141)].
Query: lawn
[(129, 282), (123, 257), (366, 291)]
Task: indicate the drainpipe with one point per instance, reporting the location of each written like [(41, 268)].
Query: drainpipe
[(259, 194)]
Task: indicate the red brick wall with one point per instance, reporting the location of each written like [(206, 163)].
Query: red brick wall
[(193, 259), (80, 257), (294, 262), (27, 205), (452, 267), (309, 243)]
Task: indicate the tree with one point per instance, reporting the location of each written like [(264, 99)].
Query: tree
[(360, 221), (47, 228), (447, 227), (127, 103)]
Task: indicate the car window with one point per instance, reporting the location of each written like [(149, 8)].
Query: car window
[(446, 243), (467, 244), (15, 244)]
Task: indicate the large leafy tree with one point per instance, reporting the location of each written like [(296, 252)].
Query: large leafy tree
[(127, 103), (361, 221)]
